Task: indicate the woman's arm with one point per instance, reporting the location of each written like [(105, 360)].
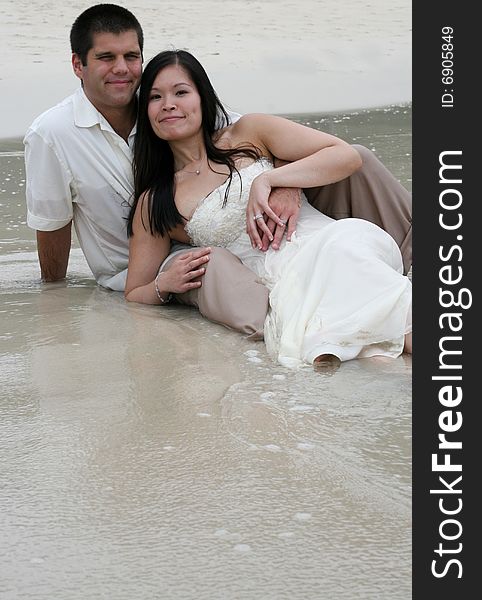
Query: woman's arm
[(146, 254), (315, 158)]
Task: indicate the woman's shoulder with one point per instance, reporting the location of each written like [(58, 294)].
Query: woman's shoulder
[(251, 120), (246, 129), (239, 122), (256, 125)]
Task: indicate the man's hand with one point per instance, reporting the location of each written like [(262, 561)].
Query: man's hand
[(286, 203)]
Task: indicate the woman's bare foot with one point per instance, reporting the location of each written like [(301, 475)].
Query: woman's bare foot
[(407, 348)]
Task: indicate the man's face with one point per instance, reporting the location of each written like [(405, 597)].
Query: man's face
[(113, 70)]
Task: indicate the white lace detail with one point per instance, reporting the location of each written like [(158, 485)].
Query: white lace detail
[(214, 225)]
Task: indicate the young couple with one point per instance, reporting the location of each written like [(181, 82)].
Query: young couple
[(336, 288)]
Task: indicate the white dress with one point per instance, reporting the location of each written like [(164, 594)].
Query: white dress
[(337, 288)]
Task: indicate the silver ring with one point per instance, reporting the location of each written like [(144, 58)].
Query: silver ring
[(283, 221), (258, 216)]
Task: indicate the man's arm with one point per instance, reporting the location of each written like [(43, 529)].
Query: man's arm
[(53, 249), (371, 193)]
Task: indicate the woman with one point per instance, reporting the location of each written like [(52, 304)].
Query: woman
[(336, 288)]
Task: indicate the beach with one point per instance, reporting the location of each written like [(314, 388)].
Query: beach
[(148, 453), (276, 56)]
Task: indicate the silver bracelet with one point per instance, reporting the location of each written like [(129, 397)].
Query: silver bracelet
[(158, 293)]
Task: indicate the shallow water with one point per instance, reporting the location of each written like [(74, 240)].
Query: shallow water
[(148, 453)]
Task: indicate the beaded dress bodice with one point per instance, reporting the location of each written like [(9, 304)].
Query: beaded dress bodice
[(214, 225)]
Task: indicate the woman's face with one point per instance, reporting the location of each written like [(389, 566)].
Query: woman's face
[(174, 105)]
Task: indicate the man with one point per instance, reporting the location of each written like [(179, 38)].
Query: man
[(78, 164)]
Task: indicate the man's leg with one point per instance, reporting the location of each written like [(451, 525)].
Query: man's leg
[(372, 193), (230, 294)]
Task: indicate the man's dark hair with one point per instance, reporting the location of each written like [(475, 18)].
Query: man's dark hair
[(101, 18)]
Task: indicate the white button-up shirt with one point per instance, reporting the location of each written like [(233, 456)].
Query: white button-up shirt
[(78, 168)]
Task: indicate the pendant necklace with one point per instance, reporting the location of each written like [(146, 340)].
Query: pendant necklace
[(196, 172)]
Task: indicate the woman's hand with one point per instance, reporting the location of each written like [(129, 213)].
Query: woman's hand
[(258, 209), (183, 272)]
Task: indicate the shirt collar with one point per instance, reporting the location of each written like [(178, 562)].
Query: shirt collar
[(86, 115)]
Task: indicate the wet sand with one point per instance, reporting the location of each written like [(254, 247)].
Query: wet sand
[(148, 453)]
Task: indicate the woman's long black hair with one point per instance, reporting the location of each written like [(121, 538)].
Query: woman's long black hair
[(153, 158)]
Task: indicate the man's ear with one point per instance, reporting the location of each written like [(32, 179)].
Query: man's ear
[(77, 65)]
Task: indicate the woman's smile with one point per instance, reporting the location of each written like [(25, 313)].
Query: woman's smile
[(171, 119)]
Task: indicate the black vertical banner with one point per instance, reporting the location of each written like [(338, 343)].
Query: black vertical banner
[(447, 243)]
